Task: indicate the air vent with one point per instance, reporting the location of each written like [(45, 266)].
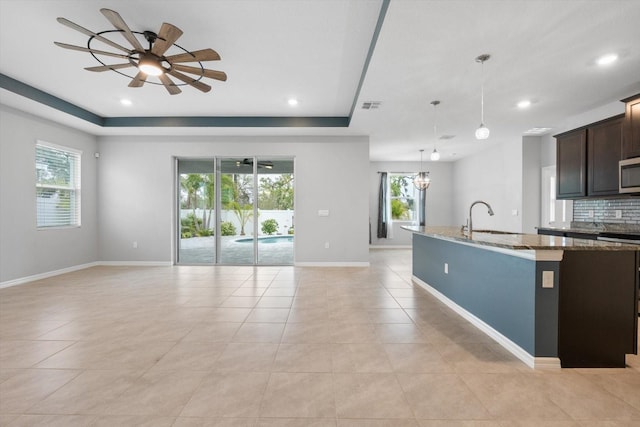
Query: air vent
[(371, 105), (445, 137), (537, 131)]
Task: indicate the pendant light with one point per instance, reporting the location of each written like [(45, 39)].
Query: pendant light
[(421, 181), (482, 132), (435, 156)]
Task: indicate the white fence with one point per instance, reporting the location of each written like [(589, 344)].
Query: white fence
[(284, 219)]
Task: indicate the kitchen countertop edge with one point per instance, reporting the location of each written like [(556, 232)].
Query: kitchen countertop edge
[(518, 241)]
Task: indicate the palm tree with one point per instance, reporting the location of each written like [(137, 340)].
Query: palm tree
[(244, 214), (192, 184)]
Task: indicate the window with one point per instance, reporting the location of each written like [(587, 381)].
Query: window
[(403, 196), (555, 213), (57, 186)]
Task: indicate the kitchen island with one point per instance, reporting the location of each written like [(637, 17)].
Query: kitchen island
[(552, 301)]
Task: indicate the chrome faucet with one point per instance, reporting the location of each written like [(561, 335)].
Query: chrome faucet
[(471, 207)]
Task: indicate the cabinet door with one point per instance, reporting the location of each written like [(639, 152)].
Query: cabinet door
[(631, 144), (604, 151), (571, 164)]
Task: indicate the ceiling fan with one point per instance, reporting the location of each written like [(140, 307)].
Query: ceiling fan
[(249, 162), (151, 61)]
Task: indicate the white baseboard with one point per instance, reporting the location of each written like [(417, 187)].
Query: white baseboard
[(332, 264), (40, 276), (390, 246), (513, 348), (136, 263)]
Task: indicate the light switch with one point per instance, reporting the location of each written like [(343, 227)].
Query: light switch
[(547, 279), (323, 212)]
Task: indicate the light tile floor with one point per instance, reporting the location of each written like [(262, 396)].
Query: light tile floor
[(275, 346)]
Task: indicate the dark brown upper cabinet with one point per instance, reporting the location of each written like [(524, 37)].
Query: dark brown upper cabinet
[(587, 160), (631, 136), (571, 161), (604, 151)]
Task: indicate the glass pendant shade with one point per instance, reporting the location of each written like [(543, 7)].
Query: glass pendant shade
[(421, 181), (482, 132), (435, 156)]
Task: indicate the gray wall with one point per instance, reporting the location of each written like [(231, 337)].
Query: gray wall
[(495, 176), (24, 250), (439, 202), (531, 185), (136, 196)]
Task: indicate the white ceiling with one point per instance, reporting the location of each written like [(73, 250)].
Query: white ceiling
[(315, 50)]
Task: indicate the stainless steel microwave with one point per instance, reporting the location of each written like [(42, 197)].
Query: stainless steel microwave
[(629, 175)]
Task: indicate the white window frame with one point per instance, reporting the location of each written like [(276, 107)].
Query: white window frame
[(554, 213), (74, 186), (415, 198)]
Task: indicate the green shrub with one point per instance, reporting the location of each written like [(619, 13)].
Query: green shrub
[(269, 226), (399, 210), (227, 229), (290, 230), (205, 233)]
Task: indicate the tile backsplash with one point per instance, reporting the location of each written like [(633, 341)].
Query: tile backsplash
[(604, 211)]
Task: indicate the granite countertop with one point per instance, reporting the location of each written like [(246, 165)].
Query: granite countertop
[(596, 228), (507, 240)]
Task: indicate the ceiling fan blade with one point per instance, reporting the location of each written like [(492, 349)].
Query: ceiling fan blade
[(109, 67), (166, 38), (212, 74), (168, 84), (83, 30), (84, 49), (188, 80), (138, 80), (117, 21), (198, 55)]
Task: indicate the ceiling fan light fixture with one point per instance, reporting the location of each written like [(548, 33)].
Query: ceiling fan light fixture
[(149, 65)]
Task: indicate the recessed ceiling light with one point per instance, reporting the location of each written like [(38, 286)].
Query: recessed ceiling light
[(126, 102), (524, 104), (607, 59), (292, 102)]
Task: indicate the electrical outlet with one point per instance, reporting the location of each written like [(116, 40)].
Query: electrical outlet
[(590, 214), (446, 268), (326, 245), (135, 245), (618, 214), (547, 279)]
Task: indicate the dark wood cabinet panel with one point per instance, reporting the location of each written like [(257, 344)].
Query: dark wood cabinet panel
[(604, 151), (631, 137), (571, 163), (598, 321)]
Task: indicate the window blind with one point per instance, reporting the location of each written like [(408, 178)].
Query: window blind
[(57, 185)]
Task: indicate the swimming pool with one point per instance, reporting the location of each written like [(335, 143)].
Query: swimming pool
[(267, 239)]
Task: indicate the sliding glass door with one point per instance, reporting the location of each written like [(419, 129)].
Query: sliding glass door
[(275, 211), (196, 211), (235, 211), (237, 244)]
